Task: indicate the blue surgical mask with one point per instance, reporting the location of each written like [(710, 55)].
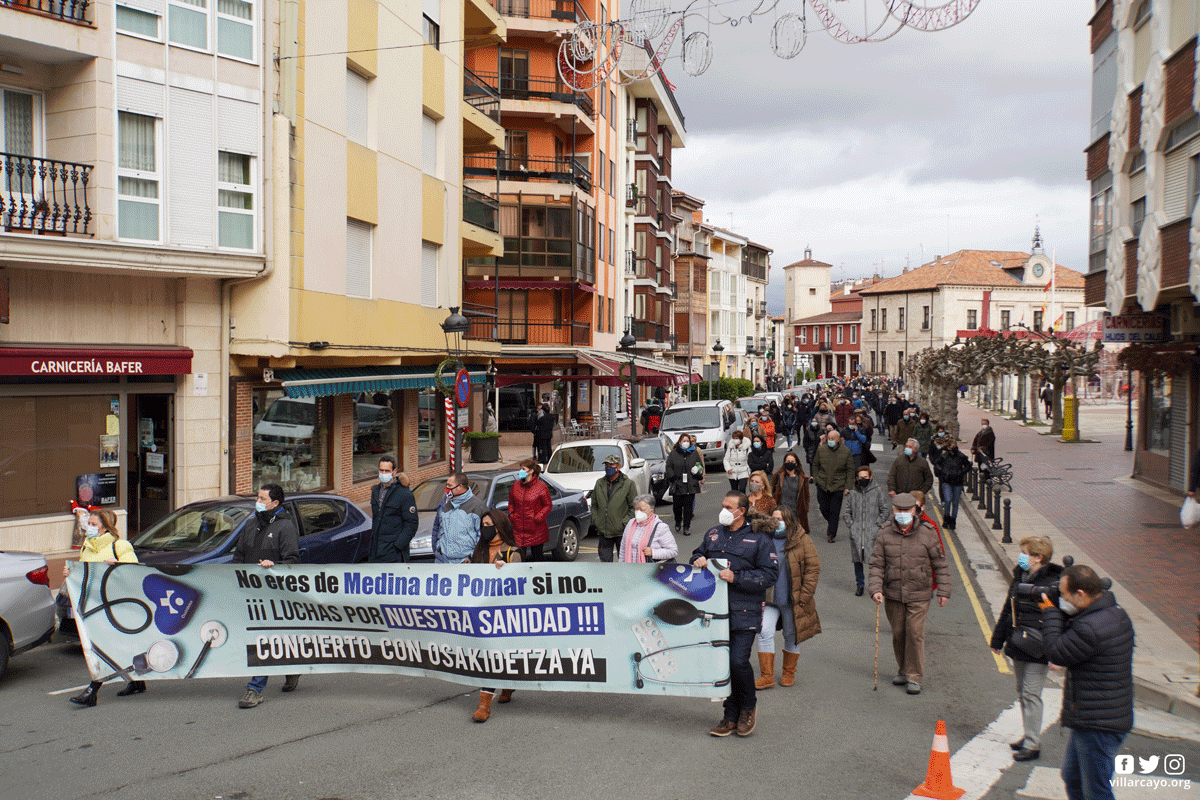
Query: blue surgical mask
[(522, 475), (260, 507), (1023, 561), (832, 445), (758, 445), (904, 518), (908, 451), (780, 527)]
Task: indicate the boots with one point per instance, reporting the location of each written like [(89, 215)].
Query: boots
[(766, 666), (88, 696), (134, 687), (505, 695), (790, 660), (484, 710)]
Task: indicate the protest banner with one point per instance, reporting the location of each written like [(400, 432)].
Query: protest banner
[(660, 628)]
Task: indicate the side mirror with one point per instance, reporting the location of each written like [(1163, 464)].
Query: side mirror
[(502, 506), (637, 463)]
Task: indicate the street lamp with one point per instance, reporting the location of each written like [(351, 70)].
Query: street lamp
[(718, 348), (627, 343), (489, 385), (1128, 408), (454, 326)]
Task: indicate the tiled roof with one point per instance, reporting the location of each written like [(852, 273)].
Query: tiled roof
[(970, 268), (830, 317), (808, 262)]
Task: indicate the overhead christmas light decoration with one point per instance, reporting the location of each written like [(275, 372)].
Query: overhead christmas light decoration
[(632, 49)]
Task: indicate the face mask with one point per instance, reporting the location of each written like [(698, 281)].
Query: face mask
[(641, 516), (853, 427), (924, 422), (685, 446), (758, 445), (940, 434), (725, 517), (908, 451), (1023, 561), (906, 416), (984, 425), (813, 424), (1067, 607), (260, 507), (522, 475), (755, 487), (610, 470), (864, 482), (91, 531), (790, 466), (487, 532), (780, 527), (385, 477), (832, 445)]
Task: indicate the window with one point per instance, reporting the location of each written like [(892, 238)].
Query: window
[(803, 334), (839, 334), (429, 145), (924, 318), (137, 22), (235, 201), (358, 258), (900, 321), (235, 29), (431, 426), (1070, 316), (19, 132), (853, 334), (187, 23), (375, 417), (600, 313), (899, 359), (612, 245), (612, 177), (972, 320), (1005, 320), (873, 361), (874, 326), (430, 255), (291, 441), (1101, 213), (319, 516), (431, 32), (1104, 85), (600, 171), (514, 72), (1158, 416), (1137, 214), (356, 107), (828, 338), (600, 241), (612, 109), (883, 319), (812, 290), (1193, 183), (883, 361), (138, 202), (1037, 320)]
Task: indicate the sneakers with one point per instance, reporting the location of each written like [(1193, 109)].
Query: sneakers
[(724, 728), (687, 531), (745, 723), (913, 687), (251, 699), (292, 682), (1026, 754), (899, 680)]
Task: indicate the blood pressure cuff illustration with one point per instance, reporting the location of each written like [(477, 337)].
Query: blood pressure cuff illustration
[(694, 584), (174, 603)]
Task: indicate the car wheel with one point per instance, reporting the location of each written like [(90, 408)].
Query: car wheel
[(568, 542), (4, 651)]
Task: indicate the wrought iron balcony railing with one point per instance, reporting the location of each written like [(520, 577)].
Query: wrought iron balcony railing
[(69, 10), (558, 10), (522, 331), (537, 87), (528, 168), (41, 195), (479, 94)]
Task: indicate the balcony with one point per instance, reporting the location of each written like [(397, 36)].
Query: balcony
[(762, 345), (630, 134), (481, 117), (48, 31), (66, 10), (40, 195), (539, 96), (485, 327), (750, 346), (548, 18), (630, 263), (825, 346), (531, 169), (481, 225), (631, 195), (649, 331), (761, 310), (749, 307)]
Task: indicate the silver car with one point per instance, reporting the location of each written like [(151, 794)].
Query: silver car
[(26, 605)]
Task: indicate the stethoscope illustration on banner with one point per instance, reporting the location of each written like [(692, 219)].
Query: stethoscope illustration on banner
[(694, 584), (169, 606)]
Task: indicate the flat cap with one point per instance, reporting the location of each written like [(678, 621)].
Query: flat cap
[(904, 500)]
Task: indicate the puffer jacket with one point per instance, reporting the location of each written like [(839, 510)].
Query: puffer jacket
[(953, 467), (751, 557), (903, 566), (864, 512), (1028, 613), (1096, 647), (612, 507), (737, 465), (833, 468), (761, 459), (529, 509), (270, 536), (924, 436), (681, 471), (799, 568), (456, 528), (106, 546), (908, 474)]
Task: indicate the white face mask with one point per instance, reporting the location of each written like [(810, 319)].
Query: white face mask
[(385, 477), (725, 517), (91, 531), (1067, 607), (640, 516)]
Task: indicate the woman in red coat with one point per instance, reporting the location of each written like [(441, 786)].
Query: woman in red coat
[(529, 510)]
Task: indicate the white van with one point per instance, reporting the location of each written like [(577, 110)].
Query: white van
[(710, 422)]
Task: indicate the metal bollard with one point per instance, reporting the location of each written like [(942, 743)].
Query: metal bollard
[(971, 483), (1007, 537), (996, 510), (984, 487)]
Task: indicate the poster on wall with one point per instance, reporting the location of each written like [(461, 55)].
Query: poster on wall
[(96, 489), (155, 463), (146, 432), (583, 393), (110, 450)]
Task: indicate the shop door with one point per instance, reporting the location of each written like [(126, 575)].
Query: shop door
[(151, 495)]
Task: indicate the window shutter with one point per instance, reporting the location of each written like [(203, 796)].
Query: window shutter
[(191, 170), (1175, 191), (356, 107), (429, 274), (1137, 185), (429, 150), (149, 6), (140, 97), (358, 258), (237, 126)]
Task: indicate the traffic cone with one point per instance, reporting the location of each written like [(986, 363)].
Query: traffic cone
[(938, 783)]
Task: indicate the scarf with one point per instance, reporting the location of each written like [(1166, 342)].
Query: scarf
[(641, 535)]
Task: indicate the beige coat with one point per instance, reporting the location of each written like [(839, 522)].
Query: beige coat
[(903, 565)]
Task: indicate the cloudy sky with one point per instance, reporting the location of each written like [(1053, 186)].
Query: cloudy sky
[(880, 154)]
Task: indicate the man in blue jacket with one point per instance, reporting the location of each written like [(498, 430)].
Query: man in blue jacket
[(1093, 638), (751, 567), (456, 526), (394, 518)]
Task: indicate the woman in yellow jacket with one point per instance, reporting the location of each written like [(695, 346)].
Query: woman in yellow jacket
[(103, 542)]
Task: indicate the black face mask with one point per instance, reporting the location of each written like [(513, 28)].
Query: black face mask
[(864, 482), (790, 466), (487, 533)]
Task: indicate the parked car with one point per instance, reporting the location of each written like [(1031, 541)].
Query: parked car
[(654, 451), (26, 605), (710, 422), (750, 405), (578, 465), (570, 515)]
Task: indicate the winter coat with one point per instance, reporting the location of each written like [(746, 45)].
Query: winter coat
[(544, 430), (394, 522), (864, 512), (893, 413), (785, 423), (983, 446), (661, 542), (803, 568), (833, 468), (903, 431), (751, 557), (801, 507), (736, 459), (270, 536), (909, 474), (1028, 613), (761, 459), (768, 431), (456, 528), (106, 546), (856, 440), (812, 438), (953, 468), (904, 565), (765, 504), (681, 472), (1096, 647), (842, 413), (924, 436), (823, 418), (529, 509), (612, 507)]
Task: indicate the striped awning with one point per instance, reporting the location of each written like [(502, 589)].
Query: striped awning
[(353, 380)]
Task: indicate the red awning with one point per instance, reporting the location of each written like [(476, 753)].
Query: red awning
[(56, 361), (518, 284)]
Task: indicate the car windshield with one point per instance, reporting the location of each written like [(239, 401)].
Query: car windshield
[(689, 417), (651, 449), (431, 492), (192, 528), (584, 458), (292, 412)]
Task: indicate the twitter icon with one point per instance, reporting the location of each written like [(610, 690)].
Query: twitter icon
[(1147, 765)]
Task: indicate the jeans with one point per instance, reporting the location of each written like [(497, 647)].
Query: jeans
[(605, 547), (1088, 764), (1031, 676), (741, 675), (259, 682), (766, 635), (831, 508), (788, 434), (950, 497), (859, 578), (683, 505), (738, 484)]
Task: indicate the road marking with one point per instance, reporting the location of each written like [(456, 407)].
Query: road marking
[(69, 690), (1001, 664)]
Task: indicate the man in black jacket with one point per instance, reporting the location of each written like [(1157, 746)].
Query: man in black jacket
[(1093, 638), (394, 517), (269, 538)]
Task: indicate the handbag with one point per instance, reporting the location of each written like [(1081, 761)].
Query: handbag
[(1028, 640)]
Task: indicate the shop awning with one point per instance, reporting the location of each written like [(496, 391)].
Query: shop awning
[(518, 284), (353, 380), (93, 361)]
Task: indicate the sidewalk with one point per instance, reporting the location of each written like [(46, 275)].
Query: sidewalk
[(1080, 496)]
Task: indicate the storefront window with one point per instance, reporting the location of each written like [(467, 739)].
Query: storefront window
[(374, 432), (1158, 416), (291, 441), (431, 427), (57, 449)]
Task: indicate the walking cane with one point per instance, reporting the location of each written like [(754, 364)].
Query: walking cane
[(876, 689)]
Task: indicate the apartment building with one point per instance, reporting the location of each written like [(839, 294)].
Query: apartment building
[(756, 266), (335, 351), (728, 303), (136, 183), (691, 282), (1143, 165)]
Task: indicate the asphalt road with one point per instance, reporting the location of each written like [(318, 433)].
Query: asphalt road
[(354, 736)]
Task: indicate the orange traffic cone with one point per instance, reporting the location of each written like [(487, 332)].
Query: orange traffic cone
[(938, 783)]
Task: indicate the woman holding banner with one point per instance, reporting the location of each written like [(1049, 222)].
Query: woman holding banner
[(496, 546)]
